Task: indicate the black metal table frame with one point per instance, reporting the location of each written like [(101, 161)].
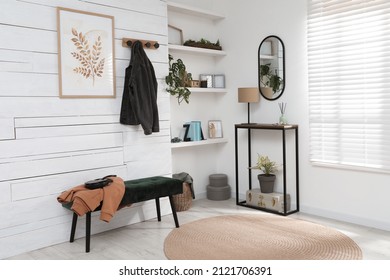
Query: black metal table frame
[(282, 128)]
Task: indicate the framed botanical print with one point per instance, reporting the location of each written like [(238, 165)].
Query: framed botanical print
[(86, 57)]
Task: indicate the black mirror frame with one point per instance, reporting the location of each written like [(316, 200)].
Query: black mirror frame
[(284, 67)]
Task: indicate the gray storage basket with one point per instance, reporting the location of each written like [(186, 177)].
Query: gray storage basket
[(218, 180)]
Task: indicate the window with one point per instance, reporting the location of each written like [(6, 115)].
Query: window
[(349, 83)]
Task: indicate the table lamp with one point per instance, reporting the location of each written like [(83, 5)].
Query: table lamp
[(248, 95)]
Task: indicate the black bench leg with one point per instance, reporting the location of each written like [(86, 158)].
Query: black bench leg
[(158, 209), (174, 210), (88, 232), (73, 230)]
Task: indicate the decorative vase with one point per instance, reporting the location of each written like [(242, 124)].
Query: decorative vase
[(282, 119), (266, 183)]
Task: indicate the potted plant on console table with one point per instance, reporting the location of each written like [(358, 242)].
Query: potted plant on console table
[(267, 179)]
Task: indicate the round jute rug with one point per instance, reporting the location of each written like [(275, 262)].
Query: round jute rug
[(259, 237)]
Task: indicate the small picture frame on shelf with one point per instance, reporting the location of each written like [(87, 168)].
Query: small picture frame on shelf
[(175, 35), (219, 81), (195, 83), (206, 80), (215, 129), (182, 132)]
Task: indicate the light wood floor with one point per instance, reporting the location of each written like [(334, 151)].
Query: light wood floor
[(144, 241)]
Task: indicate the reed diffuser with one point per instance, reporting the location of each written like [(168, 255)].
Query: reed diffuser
[(282, 118)]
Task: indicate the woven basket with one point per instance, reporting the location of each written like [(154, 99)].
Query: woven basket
[(183, 201)]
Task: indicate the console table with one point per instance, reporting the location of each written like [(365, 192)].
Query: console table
[(283, 128)]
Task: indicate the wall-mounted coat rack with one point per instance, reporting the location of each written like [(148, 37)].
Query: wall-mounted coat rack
[(128, 42)]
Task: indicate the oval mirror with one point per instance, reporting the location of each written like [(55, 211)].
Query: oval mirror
[(271, 75)]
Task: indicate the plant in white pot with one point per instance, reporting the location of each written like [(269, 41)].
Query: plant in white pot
[(267, 179)]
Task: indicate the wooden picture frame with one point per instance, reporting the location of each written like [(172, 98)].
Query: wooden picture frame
[(86, 54), (215, 129)]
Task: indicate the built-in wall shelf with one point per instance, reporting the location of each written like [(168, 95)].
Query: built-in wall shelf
[(207, 90), (189, 10), (191, 15), (198, 143), (193, 50)]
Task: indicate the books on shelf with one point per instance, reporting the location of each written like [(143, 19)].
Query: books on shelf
[(193, 131)]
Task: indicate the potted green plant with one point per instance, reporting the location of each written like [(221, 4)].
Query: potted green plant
[(270, 82), (267, 179), (178, 80)]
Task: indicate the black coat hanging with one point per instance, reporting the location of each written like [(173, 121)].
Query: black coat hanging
[(139, 100)]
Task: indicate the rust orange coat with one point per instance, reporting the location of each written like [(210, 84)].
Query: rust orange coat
[(86, 200)]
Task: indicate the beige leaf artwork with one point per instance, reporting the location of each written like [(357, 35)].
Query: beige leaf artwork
[(91, 64)]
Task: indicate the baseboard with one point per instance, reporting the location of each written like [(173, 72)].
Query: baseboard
[(372, 223), (201, 195)]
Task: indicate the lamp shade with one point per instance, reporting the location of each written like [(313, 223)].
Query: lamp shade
[(248, 95)]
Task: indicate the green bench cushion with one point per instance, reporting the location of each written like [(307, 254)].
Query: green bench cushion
[(143, 189), (150, 188)]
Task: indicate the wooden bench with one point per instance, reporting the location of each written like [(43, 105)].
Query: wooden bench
[(137, 191)]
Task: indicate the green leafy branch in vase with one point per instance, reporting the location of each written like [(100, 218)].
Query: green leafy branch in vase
[(92, 65)]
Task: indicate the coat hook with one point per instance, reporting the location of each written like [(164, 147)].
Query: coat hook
[(129, 42)]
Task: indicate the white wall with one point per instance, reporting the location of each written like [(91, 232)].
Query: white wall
[(48, 144), (354, 196), (240, 34), (247, 25), (358, 197)]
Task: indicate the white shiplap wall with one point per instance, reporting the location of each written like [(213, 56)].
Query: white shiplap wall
[(48, 144)]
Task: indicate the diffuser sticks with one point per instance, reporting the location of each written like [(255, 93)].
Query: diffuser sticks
[(282, 108)]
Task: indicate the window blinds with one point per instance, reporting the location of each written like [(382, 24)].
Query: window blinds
[(349, 82)]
